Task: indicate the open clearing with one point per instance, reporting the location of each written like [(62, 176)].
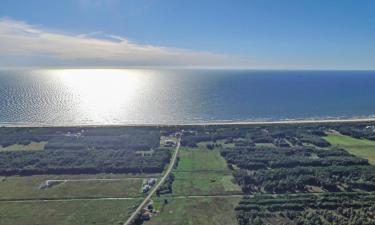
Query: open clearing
[(204, 183), (203, 172), (66, 213), (81, 186), (198, 159), (361, 147), (33, 146), (202, 211)]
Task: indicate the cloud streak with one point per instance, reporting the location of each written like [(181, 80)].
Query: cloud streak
[(21, 39)]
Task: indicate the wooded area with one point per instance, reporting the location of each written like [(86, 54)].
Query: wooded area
[(78, 150), (297, 177)]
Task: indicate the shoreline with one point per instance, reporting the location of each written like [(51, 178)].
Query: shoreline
[(218, 123)]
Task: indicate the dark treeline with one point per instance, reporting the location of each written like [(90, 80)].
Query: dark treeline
[(251, 135), (308, 209), (81, 161), (289, 170), (276, 157), (301, 179), (192, 140), (357, 131), (78, 150), (81, 138)]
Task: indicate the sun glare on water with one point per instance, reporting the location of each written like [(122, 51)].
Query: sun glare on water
[(102, 94)]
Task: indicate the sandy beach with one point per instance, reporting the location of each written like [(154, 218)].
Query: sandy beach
[(219, 123)]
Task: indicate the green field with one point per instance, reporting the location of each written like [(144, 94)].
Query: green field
[(360, 147), (204, 183), (67, 200), (203, 172), (202, 191), (198, 159), (76, 187), (195, 211), (33, 146), (82, 212)]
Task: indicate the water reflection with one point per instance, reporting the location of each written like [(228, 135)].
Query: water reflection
[(169, 96), (102, 94)]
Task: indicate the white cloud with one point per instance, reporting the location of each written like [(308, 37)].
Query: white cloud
[(32, 42)]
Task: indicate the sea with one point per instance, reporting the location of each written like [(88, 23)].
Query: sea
[(68, 97)]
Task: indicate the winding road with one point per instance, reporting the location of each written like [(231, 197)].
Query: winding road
[(153, 190)]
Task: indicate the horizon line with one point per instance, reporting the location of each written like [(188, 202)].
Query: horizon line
[(180, 67)]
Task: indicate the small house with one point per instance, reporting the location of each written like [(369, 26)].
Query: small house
[(151, 181), (146, 188), (169, 143)]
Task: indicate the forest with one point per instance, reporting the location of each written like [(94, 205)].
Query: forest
[(287, 170), (83, 150), (291, 174), (308, 209)]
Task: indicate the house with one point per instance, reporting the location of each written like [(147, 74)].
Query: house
[(151, 181), (169, 143), (147, 184), (146, 188)]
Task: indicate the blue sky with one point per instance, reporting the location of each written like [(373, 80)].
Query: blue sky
[(335, 34)]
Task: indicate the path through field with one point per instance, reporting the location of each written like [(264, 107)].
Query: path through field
[(152, 192)]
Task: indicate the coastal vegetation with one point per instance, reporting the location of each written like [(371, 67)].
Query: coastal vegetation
[(299, 174), (307, 209), (77, 151), (224, 174)]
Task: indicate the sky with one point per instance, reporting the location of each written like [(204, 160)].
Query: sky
[(269, 34)]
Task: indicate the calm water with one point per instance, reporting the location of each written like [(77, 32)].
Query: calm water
[(136, 96)]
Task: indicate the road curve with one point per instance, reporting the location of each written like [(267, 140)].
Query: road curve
[(153, 190)]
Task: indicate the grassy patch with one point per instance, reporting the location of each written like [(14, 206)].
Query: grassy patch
[(33, 146), (81, 212), (28, 187), (203, 172), (229, 185), (197, 159), (204, 183), (202, 211), (360, 147)]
